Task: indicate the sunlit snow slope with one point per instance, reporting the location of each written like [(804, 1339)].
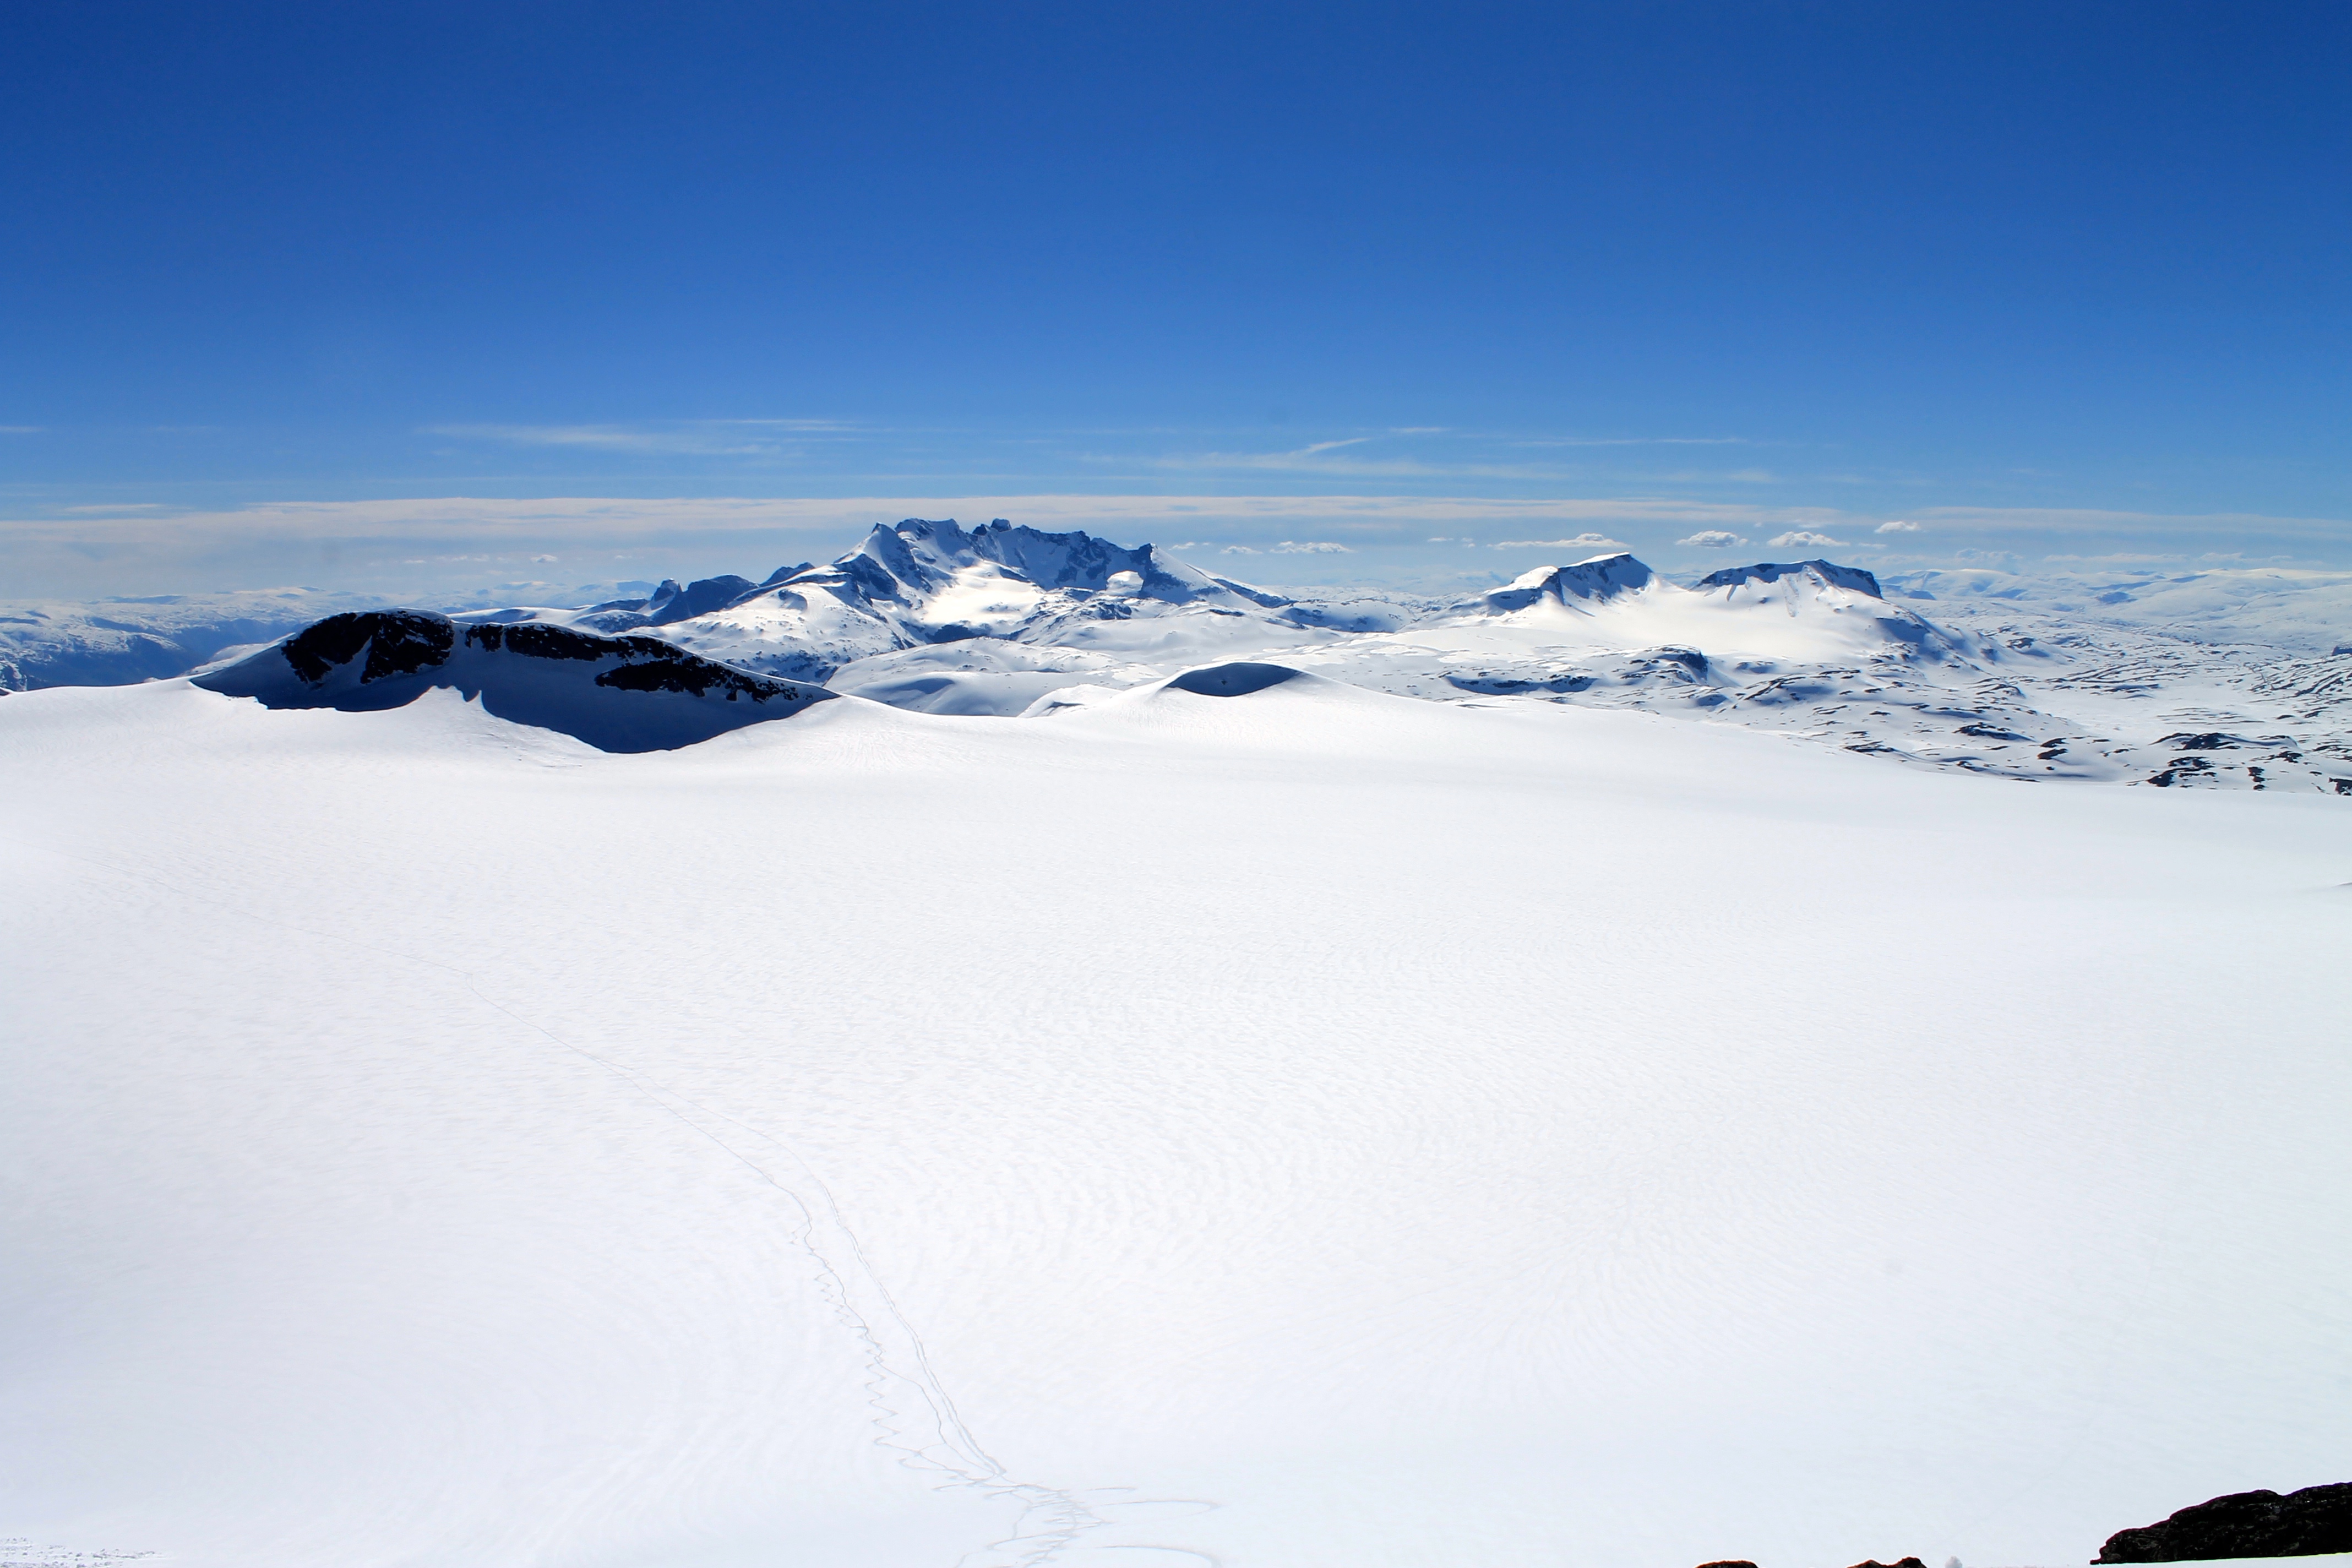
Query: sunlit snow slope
[(1302, 1127)]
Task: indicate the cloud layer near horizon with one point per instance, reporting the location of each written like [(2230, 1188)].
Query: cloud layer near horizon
[(151, 549)]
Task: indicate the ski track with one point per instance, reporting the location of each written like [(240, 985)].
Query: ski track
[(1052, 1519), (1306, 1064)]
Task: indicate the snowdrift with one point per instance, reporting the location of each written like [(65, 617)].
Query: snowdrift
[(618, 694)]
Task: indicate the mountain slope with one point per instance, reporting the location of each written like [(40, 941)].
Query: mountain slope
[(115, 642), (618, 694), (918, 583)]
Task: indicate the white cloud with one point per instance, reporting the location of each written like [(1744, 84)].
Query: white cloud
[(1799, 536), (49, 550), (1238, 549), (1582, 542), (1898, 526), (1311, 547), (692, 437), (1713, 539), (549, 559)]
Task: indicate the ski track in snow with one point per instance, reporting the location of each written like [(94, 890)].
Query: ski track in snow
[(1393, 1077), (1051, 1520)]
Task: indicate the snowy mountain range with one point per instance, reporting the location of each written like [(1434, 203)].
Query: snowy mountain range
[(2151, 680)]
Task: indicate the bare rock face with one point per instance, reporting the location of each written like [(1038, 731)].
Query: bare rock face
[(616, 693), (1729, 1563), (2244, 1524), (1898, 1562)]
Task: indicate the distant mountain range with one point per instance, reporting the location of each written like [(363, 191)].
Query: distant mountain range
[(1002, 621)]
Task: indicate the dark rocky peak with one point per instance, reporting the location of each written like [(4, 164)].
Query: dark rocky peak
[(398, 642), (618, 693), (671, 603), (1851, 578)]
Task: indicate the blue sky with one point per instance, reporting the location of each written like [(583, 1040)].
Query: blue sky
[(353, 295)]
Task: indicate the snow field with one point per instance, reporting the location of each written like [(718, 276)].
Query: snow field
[(1309, 1129)]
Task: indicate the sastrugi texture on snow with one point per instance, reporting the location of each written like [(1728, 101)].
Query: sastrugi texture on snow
[(618, 693), (2304, 1523)]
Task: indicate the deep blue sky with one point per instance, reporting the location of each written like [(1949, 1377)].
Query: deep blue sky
[(1979, 264)]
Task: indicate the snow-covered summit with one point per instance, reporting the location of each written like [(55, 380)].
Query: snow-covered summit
[(1808, 610), (1597, 579)]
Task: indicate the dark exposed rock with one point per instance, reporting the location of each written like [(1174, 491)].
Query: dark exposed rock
[(655, 696), (2244, 1524), (405, 643), (399, 642), (672, 670), (1729, 1563), (533, 641), (1898, 1562), (1849, 577), (316, 650)]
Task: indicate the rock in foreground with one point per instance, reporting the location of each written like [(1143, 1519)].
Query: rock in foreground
[(2244, 1524)]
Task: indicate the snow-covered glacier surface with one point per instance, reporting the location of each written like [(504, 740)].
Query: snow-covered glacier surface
[(1250, 1118)]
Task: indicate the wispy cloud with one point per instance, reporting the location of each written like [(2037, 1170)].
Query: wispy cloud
[(21, 430), (1801, 537), (1311, 547), (1634, 441), (1713, 539), (1898, 526), (569, 525), (1582, 542), (697, 437)]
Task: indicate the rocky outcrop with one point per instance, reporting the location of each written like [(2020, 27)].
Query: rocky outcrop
[(1829, 574), (618, 693), (2244, 1524)]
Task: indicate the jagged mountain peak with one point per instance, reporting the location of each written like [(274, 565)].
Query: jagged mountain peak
[(921, 552), (924, 580)]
